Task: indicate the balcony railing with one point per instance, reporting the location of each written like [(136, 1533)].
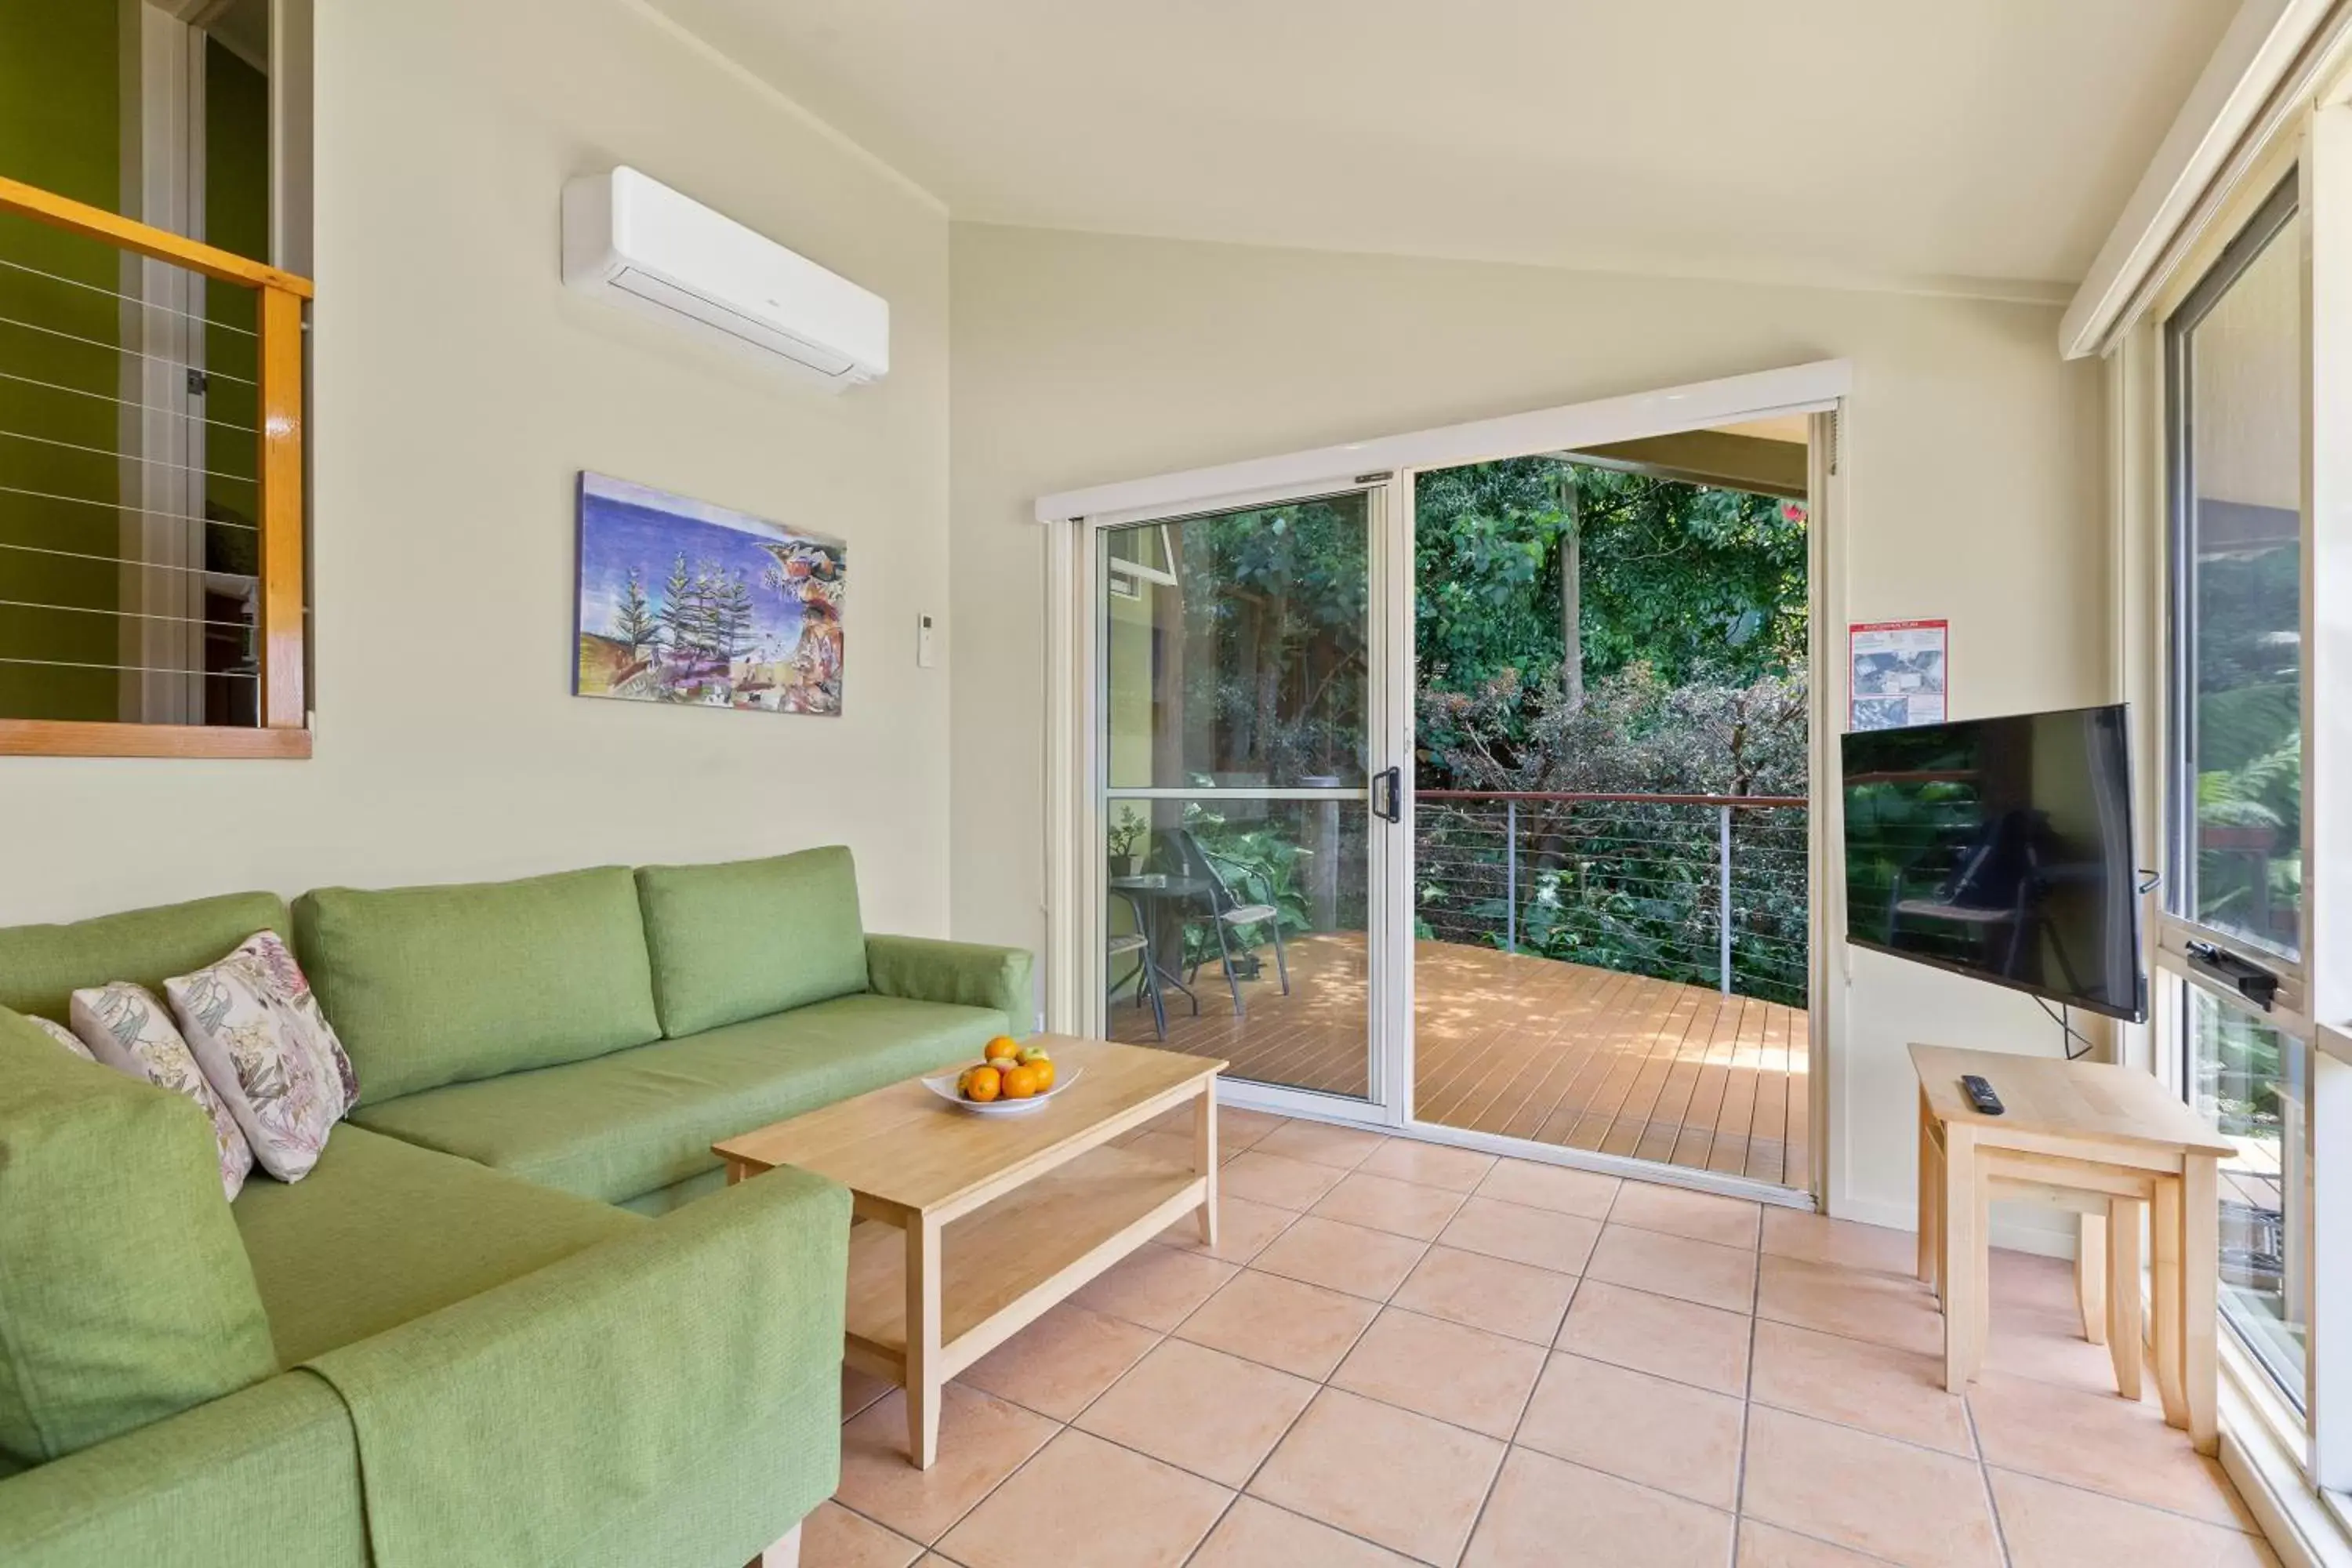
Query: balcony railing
[(1705, 890)]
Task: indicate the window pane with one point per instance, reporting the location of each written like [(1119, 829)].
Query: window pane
[(1235, 648), (2250, 1082), (2242, 577)]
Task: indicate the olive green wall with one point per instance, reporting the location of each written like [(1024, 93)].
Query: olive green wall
[(59, 128)]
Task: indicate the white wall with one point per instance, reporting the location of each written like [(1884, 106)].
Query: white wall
[(1973, 468), (458, 389)]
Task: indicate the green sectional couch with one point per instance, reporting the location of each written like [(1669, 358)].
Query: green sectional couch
[(492, 1325)]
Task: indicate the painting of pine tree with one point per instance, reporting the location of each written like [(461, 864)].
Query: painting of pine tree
[(681, 600)]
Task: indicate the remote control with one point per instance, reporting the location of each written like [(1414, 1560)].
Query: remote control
[(1981, 1095)]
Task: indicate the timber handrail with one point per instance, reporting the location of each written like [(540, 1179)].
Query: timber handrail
[(283, 731), (1581, 796)]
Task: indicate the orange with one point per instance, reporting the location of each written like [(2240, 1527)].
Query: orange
[(1042, 1071), (1002, 1049), (1020, 1083), (983, 1084)]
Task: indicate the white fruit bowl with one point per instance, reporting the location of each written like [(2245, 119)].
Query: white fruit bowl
[(944, 1086)]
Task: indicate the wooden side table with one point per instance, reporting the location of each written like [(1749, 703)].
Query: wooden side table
[(2096, 1138)]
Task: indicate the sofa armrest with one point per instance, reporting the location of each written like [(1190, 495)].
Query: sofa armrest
[(670, 1394), (966, 974), (269, 1474)]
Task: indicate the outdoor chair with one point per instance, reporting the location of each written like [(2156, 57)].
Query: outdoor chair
[(1146, 976), (1227, 914)]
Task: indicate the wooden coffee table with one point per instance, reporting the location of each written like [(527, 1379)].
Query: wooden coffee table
[(968, 1228)]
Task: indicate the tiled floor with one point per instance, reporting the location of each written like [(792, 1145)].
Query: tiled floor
[(1405, 1354)]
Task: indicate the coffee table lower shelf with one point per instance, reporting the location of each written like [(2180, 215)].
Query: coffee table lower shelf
[(1002, 1266)]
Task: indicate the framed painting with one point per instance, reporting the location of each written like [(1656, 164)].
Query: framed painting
[(681, 600)]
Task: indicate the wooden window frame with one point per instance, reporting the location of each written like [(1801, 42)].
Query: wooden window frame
[(283, 732)]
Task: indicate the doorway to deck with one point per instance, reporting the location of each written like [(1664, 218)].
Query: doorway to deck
[(1469, 795)]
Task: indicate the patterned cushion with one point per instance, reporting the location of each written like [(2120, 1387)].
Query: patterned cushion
[(63, 1037), (126, 1028), (265, 1046)]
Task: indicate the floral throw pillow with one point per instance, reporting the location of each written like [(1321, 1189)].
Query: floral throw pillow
[(261, 1039), (127, 1029), (65, 1037)]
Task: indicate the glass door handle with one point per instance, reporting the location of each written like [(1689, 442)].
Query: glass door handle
[(1393, 811)]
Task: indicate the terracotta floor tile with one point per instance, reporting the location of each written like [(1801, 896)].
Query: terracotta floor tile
[(2028, 1280), (1383, 1203), (1884, 1309), (1545, 1237), (1255, 1534), (1674, 1266), (1493, 1293), (1763, 1546), (1214, 1415), (1239, 1129), (1275, 1179), (1158, 1287), (983, 1440), (2098, 1441), (1369, 1263), (1058, 1365), (1703, 1346), (1793, 1232), (1669, 1436), (1243, 1230), (1430, 1164), (1172, 1149), (1303, 1330), (1321, 1144), (1408, 1482), (1898, 1394), (859, 1390), (1560, 1188), (1465, 1376), (833, 1537), (1867, 1492), (1678, 1211), (2050, 1526), (2049, 1347), (1086, 1501), (1546, 1513)]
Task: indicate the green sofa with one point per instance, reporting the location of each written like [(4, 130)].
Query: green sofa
[(493, 1325)]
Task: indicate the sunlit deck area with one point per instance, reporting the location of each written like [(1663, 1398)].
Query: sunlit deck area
[(1529, 1047)]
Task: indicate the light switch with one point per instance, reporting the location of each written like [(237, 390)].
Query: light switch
[(927, 650)]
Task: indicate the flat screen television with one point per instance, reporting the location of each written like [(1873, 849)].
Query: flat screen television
[(2000, 849)]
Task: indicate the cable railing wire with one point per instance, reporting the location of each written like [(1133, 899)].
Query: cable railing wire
[(135, 353), (228, 425), (130, 298), (117, 561), (245, 626), (117, 456), (119, 506), (1696, 888)]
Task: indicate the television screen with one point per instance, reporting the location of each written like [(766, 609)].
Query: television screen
[(2000, 849)]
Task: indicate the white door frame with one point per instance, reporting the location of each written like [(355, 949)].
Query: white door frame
[(1074, 966)]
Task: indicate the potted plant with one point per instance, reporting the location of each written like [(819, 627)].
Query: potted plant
[(1127, 835)]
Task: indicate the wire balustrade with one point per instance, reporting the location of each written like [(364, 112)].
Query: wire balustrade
[(1704, 889)]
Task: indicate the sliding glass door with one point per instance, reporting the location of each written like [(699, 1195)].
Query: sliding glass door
[(1237, 698)]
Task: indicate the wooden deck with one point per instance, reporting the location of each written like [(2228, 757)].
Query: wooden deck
[(1530, 1047)]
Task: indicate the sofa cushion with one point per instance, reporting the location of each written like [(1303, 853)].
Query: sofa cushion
[(382, 1231), (435, 985), (748, 938), (254, 1029), (127, 1027), (42, 966), (124, 1295), (626, 1124)]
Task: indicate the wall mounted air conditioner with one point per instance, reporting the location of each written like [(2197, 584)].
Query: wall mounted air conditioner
[(639, 244)]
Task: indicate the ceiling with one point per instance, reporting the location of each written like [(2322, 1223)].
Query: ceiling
[(1976, 145)]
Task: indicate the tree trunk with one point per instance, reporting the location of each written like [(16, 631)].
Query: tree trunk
[(1571, 599)]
